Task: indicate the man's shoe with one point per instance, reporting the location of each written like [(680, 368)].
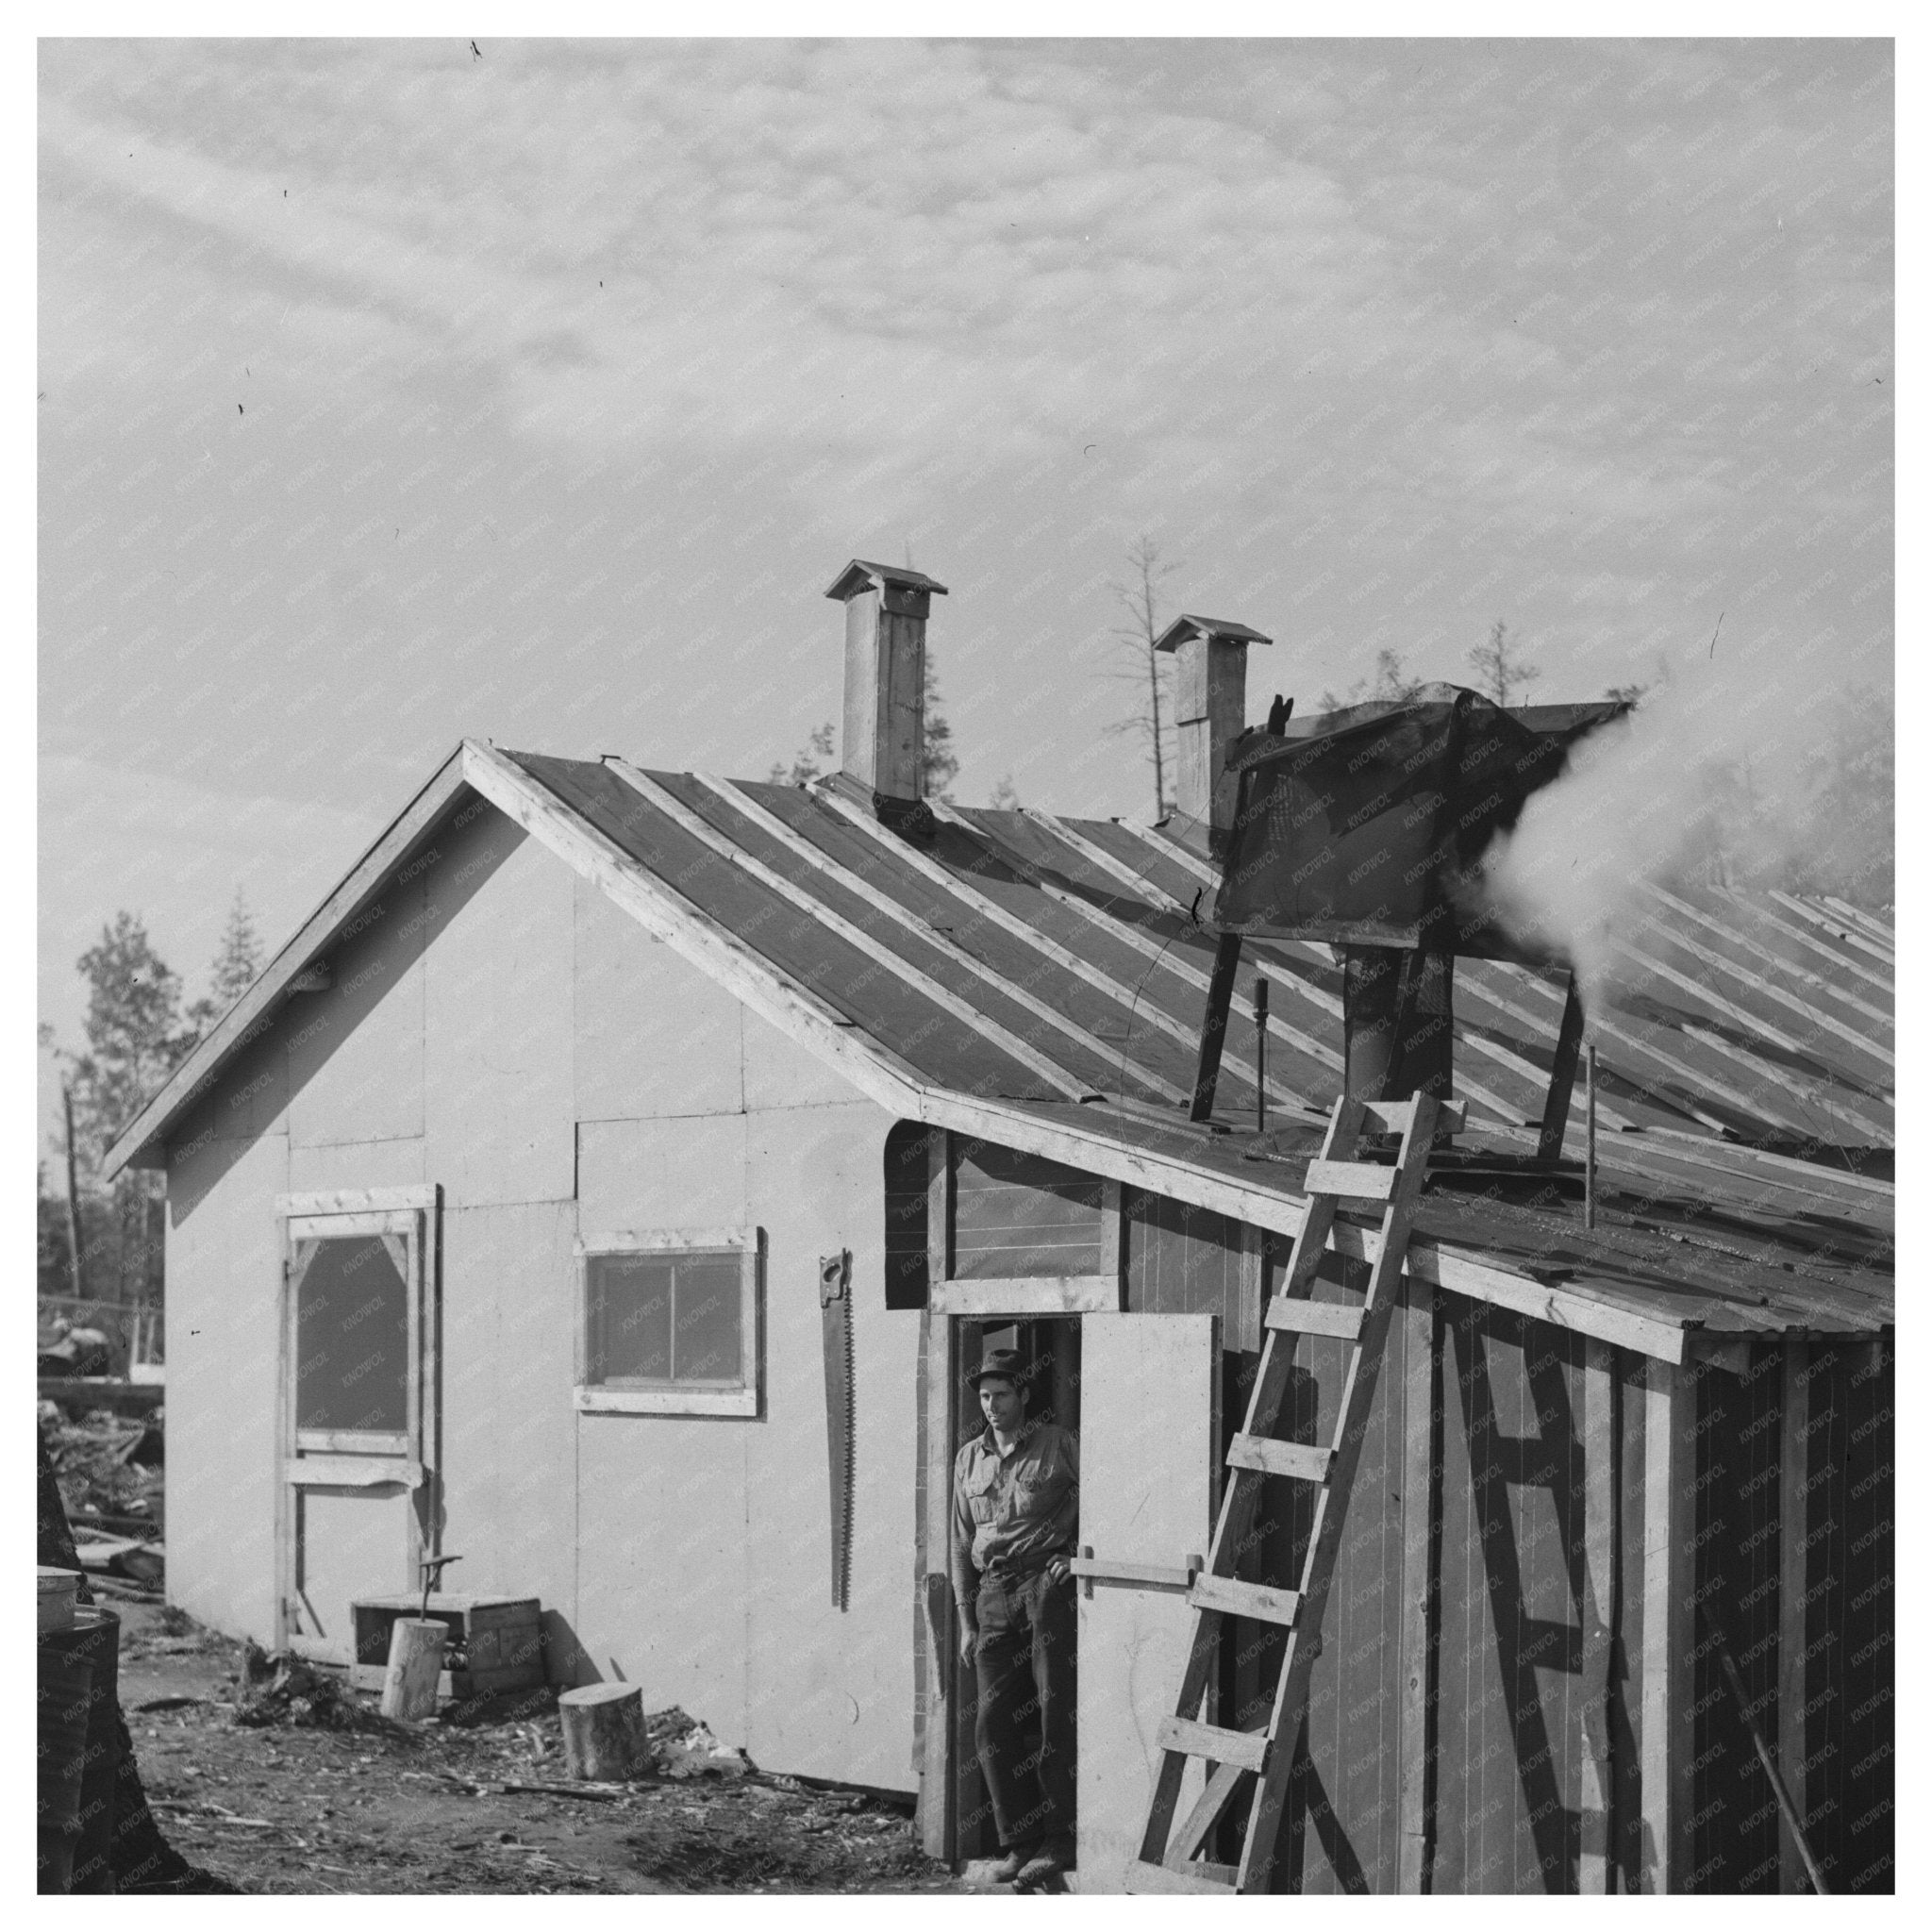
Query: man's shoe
[(1052, 1858), (1013, 1863)]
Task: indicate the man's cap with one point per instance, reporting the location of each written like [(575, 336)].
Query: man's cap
[(1008, 1362)]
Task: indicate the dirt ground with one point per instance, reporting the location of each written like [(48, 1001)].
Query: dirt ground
[(294, 1809)]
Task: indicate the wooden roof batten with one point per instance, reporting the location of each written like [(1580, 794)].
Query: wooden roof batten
[(990, 909), (802, 848), (1058, 1129)]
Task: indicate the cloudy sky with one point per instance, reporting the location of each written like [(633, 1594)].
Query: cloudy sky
[(391, 392)]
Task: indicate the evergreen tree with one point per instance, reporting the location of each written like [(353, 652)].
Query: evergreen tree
[(236, 965), (939, 764), (811, 762), (1392, 682), (135, 1039)]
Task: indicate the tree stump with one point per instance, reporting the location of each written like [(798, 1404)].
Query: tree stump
[(604, 1731), (415, 1663)]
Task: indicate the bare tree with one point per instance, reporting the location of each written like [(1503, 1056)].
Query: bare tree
[(1500, 665), (1139, 600)]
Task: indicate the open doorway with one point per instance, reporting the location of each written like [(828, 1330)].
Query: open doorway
[(1049, 1346)]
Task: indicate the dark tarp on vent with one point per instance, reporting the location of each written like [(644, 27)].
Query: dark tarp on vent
[(1365, 827)]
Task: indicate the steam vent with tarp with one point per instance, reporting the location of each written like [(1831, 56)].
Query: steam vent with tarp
[(1484, 1394)]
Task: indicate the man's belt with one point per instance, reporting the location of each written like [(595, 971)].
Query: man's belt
[(1017, 1569)]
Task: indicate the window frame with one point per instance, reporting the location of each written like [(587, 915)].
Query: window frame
[(401, 1226), (669, 1398)]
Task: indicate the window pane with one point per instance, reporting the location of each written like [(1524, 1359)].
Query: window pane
[(628, 1321), (711, 1301), (352, 1339)]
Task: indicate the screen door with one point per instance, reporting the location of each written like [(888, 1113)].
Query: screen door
[(1150, 1437), (358, 1403)]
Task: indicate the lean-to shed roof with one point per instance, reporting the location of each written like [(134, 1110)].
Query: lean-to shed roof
[(1042, 981)]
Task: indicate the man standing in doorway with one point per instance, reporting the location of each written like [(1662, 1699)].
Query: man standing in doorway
[(1016, 1502)]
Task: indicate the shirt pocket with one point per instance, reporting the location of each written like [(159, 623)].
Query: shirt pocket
[(982, 1497), (1039, 1492)]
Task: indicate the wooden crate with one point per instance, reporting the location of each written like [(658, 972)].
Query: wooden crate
[(497, 1643)]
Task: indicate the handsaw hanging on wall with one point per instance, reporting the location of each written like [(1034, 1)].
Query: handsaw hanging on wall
[(835, 1313)]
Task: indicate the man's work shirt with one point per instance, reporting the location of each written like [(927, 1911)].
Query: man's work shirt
[(1020, 1508)]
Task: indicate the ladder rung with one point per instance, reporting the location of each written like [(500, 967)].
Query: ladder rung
[(1304, 1462), (1300, 1316), (1141, 1877), (1249, 1749), (1259, 1600), (1354, 1180)]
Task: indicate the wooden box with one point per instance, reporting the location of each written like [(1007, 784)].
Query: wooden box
[(495, 1642)]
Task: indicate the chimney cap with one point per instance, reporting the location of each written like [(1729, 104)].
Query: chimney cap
[(1184, 629), (858, 573)]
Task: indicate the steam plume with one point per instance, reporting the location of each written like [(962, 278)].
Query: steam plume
[(1759, 766)]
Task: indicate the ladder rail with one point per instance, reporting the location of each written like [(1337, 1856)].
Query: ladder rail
[(1331, 1505), (1167, 1858), (1239, 1498)]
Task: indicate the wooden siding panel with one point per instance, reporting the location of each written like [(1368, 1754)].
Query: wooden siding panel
[(665, 1565), (225, 1263), (779, 1072), (356, 1050), (347, 1164), (645, 1177), (652, 1035), (509, 1444), (498, 1101), (829, 1691)]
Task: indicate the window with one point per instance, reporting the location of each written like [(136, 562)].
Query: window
[(668, 1324)]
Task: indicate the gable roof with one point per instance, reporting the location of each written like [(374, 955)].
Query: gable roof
[(1041, 981)]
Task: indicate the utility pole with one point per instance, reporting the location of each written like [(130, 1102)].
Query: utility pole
[(73, 1269)]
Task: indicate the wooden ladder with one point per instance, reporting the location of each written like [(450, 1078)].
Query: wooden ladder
[(1168, 1860)]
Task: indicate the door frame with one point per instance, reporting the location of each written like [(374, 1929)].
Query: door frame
[(950, 1303), (318, 1459)]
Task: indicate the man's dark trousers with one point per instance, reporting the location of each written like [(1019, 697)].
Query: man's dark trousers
[(1025, 1734)]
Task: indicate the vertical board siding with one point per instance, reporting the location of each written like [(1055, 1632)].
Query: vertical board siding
[(1017, 1214), (1182, 1260), (908, 1181), (1510, 1712), (1865, 1837), (1624, 1715), (1846, 1722), (1734, 1824), (1344, 1793)]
